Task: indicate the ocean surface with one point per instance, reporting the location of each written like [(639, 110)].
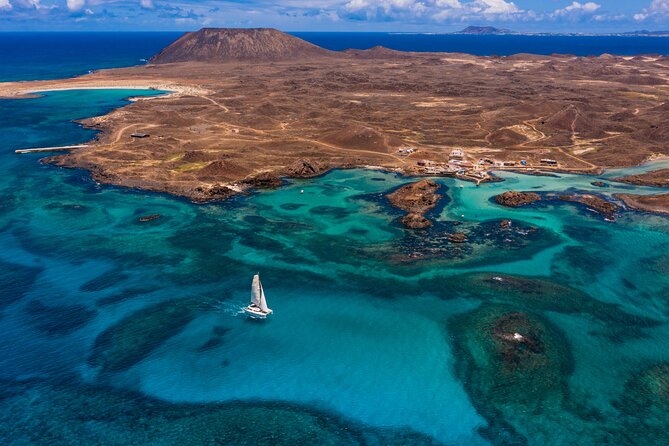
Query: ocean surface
[(486, 45), (117, 331), (30, 56)]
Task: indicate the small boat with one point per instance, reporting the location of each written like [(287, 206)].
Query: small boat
[(258, 307)]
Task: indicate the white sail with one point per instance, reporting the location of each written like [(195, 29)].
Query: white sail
[(256, 292), (263, 303)]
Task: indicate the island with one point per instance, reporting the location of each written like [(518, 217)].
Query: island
[(245, 108)]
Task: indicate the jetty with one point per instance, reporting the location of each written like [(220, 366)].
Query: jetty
[(51, 149)]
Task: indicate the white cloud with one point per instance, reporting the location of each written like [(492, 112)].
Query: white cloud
[(498, 7), (75, 5), (5, 5), (147, 4), (437, 10), (657, 9), (577, 9)]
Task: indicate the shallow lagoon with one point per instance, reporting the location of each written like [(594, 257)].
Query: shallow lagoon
[(373, 329)]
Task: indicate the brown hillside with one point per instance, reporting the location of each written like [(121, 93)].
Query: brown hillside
[(362, 138), (230, 44)]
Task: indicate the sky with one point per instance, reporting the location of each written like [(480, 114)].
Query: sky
[(334, 15)]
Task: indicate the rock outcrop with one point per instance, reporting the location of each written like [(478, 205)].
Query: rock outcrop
[(305, 169), (517, 199), (597, 204), (416, 199)]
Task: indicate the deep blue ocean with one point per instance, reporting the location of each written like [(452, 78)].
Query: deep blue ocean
[(117, 331), (29, 56), (486, 45)]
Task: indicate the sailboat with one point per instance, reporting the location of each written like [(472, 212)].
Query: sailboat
[(258, 307)]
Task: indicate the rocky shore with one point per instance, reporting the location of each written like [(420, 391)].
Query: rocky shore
[(649, 203), (598, 204), (416, 199), (656, 178)]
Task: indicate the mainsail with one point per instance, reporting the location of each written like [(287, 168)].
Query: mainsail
[(256, 292)]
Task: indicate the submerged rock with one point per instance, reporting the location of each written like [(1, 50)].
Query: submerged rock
[(457, 237), (148, 218), (505, 224), (133, 338), (599, 184), (517, 199), (414, 220)]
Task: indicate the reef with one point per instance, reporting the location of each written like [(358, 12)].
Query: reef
[(512, 363), (132, 339), (487, 243), (543, 294), (40, 413)]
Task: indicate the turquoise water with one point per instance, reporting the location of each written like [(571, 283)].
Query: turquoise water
[(378, 336)]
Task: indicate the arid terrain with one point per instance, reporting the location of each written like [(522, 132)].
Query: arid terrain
[(251, 106)]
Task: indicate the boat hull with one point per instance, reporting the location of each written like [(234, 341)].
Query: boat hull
[(256, 312)]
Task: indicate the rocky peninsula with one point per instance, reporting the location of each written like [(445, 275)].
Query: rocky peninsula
[(648, 203), (655, 178)]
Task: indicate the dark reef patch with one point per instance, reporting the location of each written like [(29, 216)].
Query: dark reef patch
[(291, 206), (72, 208), (216, 340), (46, 414), (133, 338), (542, 294), (104, 281), (126, 294), (331, 211), (484, 243), (16, 280), (512, 364), (59, 320)]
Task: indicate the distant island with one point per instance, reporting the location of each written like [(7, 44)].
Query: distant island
[(485, 30), (492, 31)]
